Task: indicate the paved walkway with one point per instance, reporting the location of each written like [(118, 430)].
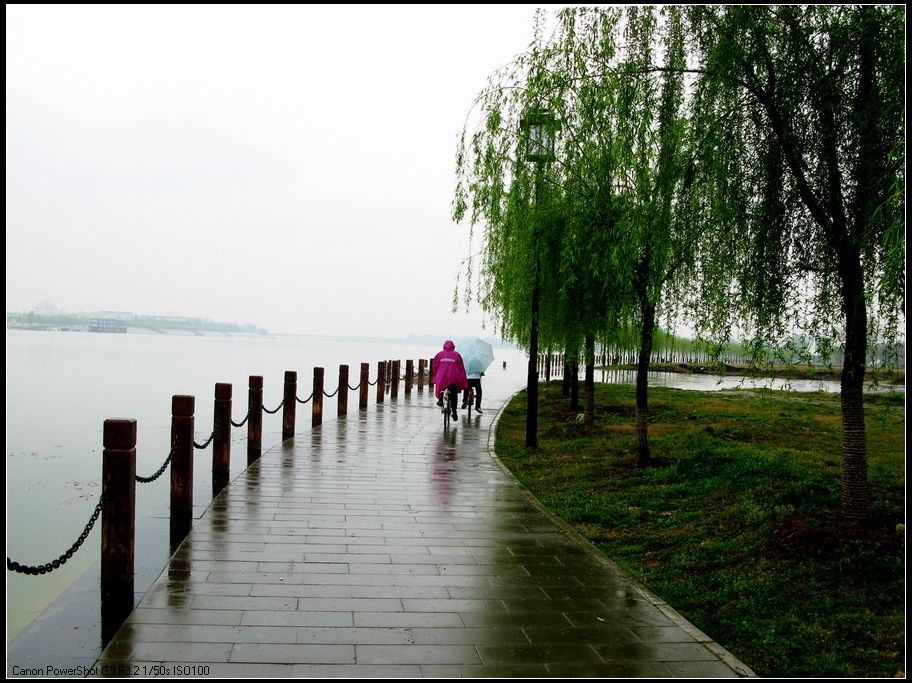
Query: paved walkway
[(381, 546)]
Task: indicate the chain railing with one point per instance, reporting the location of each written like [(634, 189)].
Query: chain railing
[(215, 427), (180, 417), (273, 412), (20, 568), (158, 473)]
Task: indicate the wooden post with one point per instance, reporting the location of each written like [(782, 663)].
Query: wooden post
[(288, 406), (221, 444), (381, 380), (422, 364), (342, 396), (430, 367), (364, 386), (255, 419), (409, 371), (394, 387), (182, 408), (118, 523), (317, 402), (118, 512)]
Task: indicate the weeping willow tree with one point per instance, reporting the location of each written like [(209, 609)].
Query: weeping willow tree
[(610, 231), (803, 111), (553, 225)]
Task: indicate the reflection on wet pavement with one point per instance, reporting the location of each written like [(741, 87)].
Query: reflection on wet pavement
[(380, 545)]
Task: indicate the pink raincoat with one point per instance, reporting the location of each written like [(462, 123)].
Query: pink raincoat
[(448, 369)]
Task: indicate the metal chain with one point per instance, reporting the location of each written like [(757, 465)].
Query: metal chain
[(215, 427), (332, 394), (14, 566), (146, 480), (306, 399), (355, 388), (272, 412), (242, 422), (370, 384)]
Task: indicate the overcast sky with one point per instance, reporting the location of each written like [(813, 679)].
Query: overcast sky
[(286, 166)]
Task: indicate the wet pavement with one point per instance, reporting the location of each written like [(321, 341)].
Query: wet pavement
[(380, 546)]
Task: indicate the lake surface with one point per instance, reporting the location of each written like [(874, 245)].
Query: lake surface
[(61, 386)]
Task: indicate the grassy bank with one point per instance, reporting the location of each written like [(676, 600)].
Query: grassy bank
[(738, 525)]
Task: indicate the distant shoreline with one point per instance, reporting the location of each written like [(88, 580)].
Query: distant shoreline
[(833, 374)]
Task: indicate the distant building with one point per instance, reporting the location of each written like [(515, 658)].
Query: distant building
[(106, 325)]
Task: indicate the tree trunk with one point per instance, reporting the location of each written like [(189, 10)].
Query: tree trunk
[(647, 309), (574, 386), (854, 453), (590, 381)]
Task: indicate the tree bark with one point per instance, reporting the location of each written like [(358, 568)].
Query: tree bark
[(590, 381), (854, 450), (647, 310), (574, 386)]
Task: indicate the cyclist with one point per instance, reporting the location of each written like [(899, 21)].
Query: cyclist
[(449, 373)]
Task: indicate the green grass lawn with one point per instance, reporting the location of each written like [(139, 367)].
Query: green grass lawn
[(737, 524)]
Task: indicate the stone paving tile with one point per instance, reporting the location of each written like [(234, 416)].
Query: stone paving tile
[(299, 653), (215, 617), (268, 618), (552, 653), (356, 671), (360, 635), (380, 546), (394, 619), (417, 654)]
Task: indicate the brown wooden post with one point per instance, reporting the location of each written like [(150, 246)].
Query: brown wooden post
[(317, 402), (364, 386), (255, 418), (381, 380), (342, 396), (182, 408), (430, 373), (221, 443), (288, 405), (409, 372), (422, 364), (118, 523), (394, 387), (118, 511)]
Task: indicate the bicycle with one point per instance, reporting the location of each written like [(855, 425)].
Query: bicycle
[(470, 401), (445, 397)]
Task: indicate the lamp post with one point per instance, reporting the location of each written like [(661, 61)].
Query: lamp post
[(539, 127)]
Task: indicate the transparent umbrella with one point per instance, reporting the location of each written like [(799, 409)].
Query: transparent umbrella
[(477, 355)]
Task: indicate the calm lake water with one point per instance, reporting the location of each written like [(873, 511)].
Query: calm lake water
[(61, 386)]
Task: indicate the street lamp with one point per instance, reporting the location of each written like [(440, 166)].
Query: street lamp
[(538, 127)]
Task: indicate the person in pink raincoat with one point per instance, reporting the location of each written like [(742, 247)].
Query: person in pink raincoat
[(449, 373)]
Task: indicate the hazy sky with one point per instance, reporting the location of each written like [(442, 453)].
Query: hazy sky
[(286, 166)]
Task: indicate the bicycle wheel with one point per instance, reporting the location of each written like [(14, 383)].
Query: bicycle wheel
[(446, 410), (470, 403)]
